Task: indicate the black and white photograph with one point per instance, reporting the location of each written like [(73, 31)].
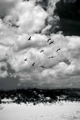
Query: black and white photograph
[(39, 59)]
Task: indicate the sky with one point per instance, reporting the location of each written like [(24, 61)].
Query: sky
[(39, 44)]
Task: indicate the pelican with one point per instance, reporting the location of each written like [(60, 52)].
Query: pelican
[(29, 38), (51, 57), (41, 51), (58, 50), (33, 64), (13, 25), (25, 59), (48, 39), (51, 42), (42, 66)]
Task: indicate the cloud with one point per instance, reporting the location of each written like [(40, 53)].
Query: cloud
[(37, 41), (6, 6), (69, 16), (36, 62), (3, 70), (29, 21)]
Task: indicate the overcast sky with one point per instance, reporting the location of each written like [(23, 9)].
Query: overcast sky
[(39, 44)]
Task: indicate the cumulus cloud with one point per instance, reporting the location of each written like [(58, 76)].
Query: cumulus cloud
[(6, 6), (29, 19), (3, 70), (31, 54), (36, 41)]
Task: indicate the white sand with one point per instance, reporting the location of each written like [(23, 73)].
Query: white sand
[(58, 111)]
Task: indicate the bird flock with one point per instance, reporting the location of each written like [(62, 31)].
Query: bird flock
[(50, 42)]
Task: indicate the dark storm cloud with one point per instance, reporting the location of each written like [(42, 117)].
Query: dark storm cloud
[(43, 4), (69, 13)]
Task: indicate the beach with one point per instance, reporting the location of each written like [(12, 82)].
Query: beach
[(55, 111)]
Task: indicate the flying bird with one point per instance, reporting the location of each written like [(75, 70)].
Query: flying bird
[(25, 59), (29, 38), (14, 25), (58, 50), (51, 57), (51, 42), (33, 64), (42, 66), (41, 51), (48, 39)]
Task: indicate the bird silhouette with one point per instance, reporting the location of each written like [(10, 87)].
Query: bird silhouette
[(41, 51), (58, 50), (48, 39), (14, 25), (42, 66), (51, 57), (33, 64), (29, 38), (25, 59), (51, 42)]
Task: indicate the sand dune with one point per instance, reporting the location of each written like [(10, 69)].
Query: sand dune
[(58, 111)]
